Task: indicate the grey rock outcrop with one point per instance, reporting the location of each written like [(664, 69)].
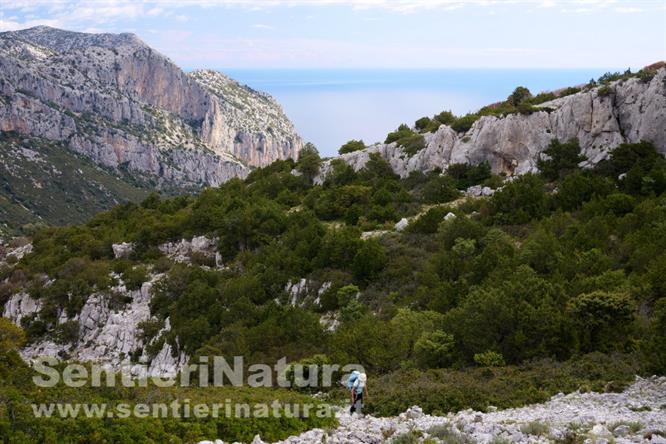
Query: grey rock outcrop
[(19, 306), (107, 335), (117, 101), (632, 111)]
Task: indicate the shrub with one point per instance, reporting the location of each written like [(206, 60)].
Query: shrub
[(655, 345), (423, 123), (67, 332), (535, 428), (351, 146), (602, 319), (563, 158), (433, 349), (402, 132), (445, 117), (604, 91), (446, 390), (446, 433), (489, 359), (439, 189), (519, 201), (464, 123), (428, 222), (412, 144), (519, 95)]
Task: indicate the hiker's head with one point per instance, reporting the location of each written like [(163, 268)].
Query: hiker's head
[(362, 378)]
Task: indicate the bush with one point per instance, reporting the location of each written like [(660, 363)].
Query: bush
[(445, 117), (412, 144), (423, 123), (464, 123), (655, 345), (519, 201), (351, 146), (402, 132), (445, 390), (519, 95), (535, 428), (602, 320), (428, 222), (563, 159), (489, 359)]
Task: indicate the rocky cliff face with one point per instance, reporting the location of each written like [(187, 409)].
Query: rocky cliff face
[(629, 111), (117, 101)]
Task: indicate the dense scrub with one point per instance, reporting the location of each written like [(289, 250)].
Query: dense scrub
[(18, 423), (553, 266)]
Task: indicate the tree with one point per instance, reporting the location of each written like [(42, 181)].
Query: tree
[(563, 158), (11, 337), (602, 319), (369, 261), (309, 162), (423, 123), (519, 95), (489, 359), (445, 117), (439, 189), (433, 349), (351, 146), (520, 201), (655, 345), (402, 132)]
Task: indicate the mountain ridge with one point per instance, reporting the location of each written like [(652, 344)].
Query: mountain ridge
[(116, 100), (600, 117)]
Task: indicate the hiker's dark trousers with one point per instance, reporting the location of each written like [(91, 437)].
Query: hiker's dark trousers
[(357, 406)]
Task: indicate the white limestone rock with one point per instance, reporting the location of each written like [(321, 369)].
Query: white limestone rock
[(401, 224), (183, 250), (635, 111), (122, 250), (19, 306)]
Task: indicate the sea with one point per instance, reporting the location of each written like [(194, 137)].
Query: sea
[(331, 106)]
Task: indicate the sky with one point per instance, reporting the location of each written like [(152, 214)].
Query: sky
[(348, 34)]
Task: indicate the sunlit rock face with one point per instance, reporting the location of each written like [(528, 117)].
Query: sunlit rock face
[(119, 102)]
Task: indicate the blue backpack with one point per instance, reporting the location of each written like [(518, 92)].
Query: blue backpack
[(352, 378)]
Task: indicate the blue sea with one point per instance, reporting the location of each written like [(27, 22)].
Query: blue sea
[(330, 107)]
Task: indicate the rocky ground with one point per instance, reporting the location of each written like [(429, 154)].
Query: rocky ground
[(636, 415)]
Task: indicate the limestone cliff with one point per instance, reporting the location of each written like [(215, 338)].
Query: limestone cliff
[(626, 111), (124, 105)]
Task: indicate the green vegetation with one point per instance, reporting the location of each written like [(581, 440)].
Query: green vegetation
[(45, 183), (18, 423), (439, 391), (554, 283), (351, 146), (406, 138)]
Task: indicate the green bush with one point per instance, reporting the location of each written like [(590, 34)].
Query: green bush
[(351, 146), (489, 359), (464, 123), (445, 390), (563, 159)]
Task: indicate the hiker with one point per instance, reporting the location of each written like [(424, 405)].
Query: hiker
[(359, 391)]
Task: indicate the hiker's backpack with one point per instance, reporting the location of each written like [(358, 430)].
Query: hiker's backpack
[(359, 383), (352, 379)]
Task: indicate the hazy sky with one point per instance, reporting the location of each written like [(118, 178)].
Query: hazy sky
[(371, 33)]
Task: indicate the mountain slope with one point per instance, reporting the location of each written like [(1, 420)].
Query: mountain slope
[(44, 182), (117, 101)]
